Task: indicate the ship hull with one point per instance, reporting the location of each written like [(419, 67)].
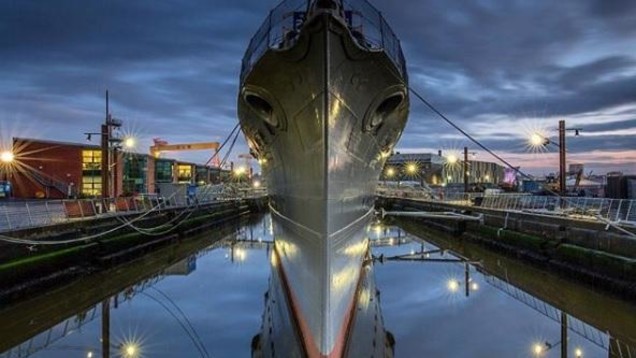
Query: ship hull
[(280, 334), (322, 116)]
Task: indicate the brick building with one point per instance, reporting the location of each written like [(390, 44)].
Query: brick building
[(57, 170)]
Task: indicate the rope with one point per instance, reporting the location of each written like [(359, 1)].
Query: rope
[(222, 145)]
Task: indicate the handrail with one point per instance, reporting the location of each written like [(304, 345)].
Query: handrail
[(280, 28)]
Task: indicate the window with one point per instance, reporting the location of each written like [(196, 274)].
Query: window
[(184, 173), (91, 160), (163, 171), (91, 185)]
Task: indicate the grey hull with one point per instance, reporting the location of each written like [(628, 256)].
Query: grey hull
[(322, 115)]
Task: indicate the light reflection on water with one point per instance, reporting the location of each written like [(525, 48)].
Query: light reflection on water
[(210, 303)]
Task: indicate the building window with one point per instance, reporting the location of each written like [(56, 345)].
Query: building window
[(184, 173), (134, 179), (92, 162), (163, 171), (91, 185), (91, 172)]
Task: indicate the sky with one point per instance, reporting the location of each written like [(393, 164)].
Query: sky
[(501, 70)]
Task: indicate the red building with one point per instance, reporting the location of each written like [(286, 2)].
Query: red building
[(57, 170)]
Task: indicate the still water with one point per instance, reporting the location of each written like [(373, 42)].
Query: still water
[(205, 298)]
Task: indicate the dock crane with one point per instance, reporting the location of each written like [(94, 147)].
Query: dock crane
[(161, 145)]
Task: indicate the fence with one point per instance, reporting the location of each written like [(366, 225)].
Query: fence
[(613, 210), (28, 214)]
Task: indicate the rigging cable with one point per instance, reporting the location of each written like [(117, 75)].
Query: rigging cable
[(229, 151), (223, 144)]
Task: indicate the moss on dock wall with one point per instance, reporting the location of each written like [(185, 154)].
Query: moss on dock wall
[(54, 263), (577, 248)]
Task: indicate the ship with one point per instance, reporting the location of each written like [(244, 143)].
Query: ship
[(323, 99)]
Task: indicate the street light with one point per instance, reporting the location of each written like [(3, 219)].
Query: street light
[(539, 140), (411, 168), (7, 157), (452, 159), (129, 142)]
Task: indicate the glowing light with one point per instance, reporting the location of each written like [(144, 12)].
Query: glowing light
[(89, 355), (412, 252), (487, 177), (452, 285), (474, 286), (344, 278), (273, 259), (578, 353), (452, 159), (537, 349), (240, 171), (357, 249), (7, 157), (390, 172), (536, 140), (257, 184), (364, 298), (412, 168), (130, 349), (240, 254), (262, 161), (129, 142)]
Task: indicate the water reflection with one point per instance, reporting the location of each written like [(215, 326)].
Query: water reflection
[(205, 298), (507, 309)]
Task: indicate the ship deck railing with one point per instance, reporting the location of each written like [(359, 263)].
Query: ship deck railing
[(283, 24)]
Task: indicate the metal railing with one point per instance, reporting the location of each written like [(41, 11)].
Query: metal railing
[(613, 210), (283, 24), (15, 215)]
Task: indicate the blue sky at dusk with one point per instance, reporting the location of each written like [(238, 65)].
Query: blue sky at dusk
[(499, 69)]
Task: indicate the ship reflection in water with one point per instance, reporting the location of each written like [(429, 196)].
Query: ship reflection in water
[(363, 335), (204, 298)]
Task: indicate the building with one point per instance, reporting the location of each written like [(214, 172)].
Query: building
[(435, 170), (57, 170)]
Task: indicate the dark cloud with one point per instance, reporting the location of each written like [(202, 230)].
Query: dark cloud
[(172, 67)]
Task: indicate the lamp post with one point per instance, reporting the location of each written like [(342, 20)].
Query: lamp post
[(106, 139), (466, 168), (537, 139)]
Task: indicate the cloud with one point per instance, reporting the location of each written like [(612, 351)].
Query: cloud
[(173, 67)]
